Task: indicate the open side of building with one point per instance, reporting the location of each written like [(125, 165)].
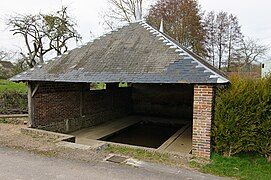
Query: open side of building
[(165, 80)]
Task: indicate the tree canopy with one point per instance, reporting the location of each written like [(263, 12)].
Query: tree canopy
[(182, 21), (43, 33), (223, 37)]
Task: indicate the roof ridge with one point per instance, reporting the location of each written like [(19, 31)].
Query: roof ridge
[(221, 77)]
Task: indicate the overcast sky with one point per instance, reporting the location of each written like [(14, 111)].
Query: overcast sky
[(253, 16)]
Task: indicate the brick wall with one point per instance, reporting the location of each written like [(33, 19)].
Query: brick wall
[(163, 100), (66, 107), (103, 105), (57, 105), (202, 120)]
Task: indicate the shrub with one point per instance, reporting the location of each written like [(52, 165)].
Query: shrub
[(242, 120), (13, 103)]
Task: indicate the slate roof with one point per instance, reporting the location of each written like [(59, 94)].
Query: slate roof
[(135, 53)]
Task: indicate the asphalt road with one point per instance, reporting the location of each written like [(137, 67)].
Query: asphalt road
[(20, 165)]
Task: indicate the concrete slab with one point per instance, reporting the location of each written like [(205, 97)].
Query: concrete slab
[(73, 145), (105, 129), (91, 142), (176, 135), (180, 142), (183, 144)]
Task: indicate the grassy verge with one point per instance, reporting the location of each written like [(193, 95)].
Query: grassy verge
[(6, 85), (243, 166), (141, 154)]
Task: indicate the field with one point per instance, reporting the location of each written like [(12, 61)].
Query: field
[(6, 85)]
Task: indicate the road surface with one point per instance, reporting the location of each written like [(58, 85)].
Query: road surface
[(21, 165)]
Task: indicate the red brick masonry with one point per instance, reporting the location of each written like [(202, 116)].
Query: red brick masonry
[(66, 107), (202, 120)]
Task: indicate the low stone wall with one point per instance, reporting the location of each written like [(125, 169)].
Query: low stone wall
[(57, 136), (14, 118)]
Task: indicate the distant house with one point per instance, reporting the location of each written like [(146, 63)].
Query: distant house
[(5, 69), (165, 80), (6, 65), (266, 68)]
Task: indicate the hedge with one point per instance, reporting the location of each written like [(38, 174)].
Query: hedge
[(242, 121), (13, 103)]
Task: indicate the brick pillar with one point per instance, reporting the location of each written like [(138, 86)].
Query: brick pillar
[(202, 120)]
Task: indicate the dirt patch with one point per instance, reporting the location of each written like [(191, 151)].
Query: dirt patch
[(11, 136)]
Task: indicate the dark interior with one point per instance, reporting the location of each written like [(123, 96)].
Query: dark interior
[(146, 134), (156, 100), (163, 100)]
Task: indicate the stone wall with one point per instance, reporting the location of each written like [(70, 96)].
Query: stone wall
[(202, 120), (163, 100)]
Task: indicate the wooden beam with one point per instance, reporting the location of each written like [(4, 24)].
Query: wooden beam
[(35, 90), (82, 88), (30, 106)]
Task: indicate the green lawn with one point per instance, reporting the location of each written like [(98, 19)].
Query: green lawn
[(6, 85), (243, 166)]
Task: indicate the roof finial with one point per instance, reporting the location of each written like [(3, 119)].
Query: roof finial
[(138, 11), (161, 26)]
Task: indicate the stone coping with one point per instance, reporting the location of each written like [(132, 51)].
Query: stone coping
[(64, 140), (58, 136), (13, 115)]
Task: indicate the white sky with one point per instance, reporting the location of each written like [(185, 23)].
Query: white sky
[(253, 16)]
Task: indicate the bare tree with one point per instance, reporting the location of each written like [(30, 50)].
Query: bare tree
[(223, 37), (210, 27), (252, 51), (235, 39), (29, 27), (182, 21), (43, 33), (121, 11), (59, 27)]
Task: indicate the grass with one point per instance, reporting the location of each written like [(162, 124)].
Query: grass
[(137, 153), (243, 166), (154, 157), (6, 85), (141, 154)]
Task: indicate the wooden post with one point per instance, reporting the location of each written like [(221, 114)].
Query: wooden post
[(82, 88), (30, 106)]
